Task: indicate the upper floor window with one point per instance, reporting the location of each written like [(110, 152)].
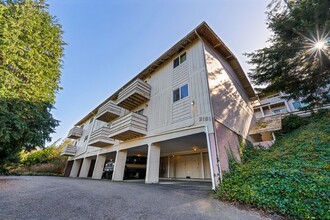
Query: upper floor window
[(299, 105), (296, 105), (180, 59), (278, 110), (180, 93)]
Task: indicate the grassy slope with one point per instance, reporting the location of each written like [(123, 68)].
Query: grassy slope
[(291, 178)]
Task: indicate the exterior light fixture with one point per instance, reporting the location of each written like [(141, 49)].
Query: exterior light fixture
[(195, 148)]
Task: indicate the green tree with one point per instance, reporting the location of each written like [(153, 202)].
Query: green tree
[(31, 51), (297, 60)]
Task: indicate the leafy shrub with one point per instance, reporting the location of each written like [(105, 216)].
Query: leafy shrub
[(291, 178), (292, 122), (42, 162), (40, 156)]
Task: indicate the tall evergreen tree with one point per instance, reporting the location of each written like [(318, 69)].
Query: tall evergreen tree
[(297, 61), (31, 49)]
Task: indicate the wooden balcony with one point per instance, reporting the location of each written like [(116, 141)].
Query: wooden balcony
[(75, 133), (134, 95), (100, 138), (108, 112), (130, 126), (69, 150)]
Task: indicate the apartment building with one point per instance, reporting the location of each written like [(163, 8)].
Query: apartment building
[(187, 113), (269, 109)]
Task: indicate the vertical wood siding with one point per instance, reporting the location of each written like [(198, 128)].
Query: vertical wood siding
[(162, 113)]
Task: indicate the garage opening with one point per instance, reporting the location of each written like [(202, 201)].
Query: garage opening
[(185, 158), (108, 165), (68, 168), (136, 163), (91, 167)]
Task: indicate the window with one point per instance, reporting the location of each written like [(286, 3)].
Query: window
[(86, 138), (296, 105), (180, 93), (277, 110), (177, 61), (176, 95), (183, 58), (184, 91)]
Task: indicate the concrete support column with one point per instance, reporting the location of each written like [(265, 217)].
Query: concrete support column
[(119, 169), (99, 165), (153, 161), (75, 168), (85, 167)]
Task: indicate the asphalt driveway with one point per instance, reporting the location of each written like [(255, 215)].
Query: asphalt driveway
[(28, 197)]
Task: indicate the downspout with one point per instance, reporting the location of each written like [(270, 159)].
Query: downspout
[(209, 150)]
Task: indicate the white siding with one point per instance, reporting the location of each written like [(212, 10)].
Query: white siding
[(181, 110), (181, 73), (162, 113)]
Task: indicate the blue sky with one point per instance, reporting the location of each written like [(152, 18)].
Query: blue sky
[(109, 42)]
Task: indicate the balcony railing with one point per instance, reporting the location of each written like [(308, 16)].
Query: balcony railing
[(108, 112), (134, 95), (75, 133), (100, 138), (130, 126), (272, 100), (69, 150)]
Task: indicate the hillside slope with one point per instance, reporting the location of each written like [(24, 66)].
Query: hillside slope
[(291, 178)]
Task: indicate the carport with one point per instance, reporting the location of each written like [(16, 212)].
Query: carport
[(101, 160), (131, 163), (185, 158), (87, 167)]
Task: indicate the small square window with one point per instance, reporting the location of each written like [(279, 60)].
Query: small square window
[(176, 95), (176, 62), (184, 91), (183, 57)]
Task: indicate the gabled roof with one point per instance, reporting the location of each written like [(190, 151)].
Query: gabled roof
[(202, 31)]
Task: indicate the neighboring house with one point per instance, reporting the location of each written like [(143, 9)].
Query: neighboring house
[(269, 110), (275, 103), (187, 112)]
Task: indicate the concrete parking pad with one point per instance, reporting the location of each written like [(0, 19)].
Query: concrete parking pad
[(28, 197)]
